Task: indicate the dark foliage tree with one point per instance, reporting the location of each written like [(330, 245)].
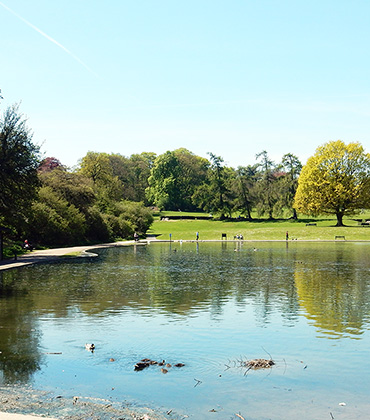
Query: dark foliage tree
[(215, 194), (19, 160), (289, 182), (266, 191), (245, 177)]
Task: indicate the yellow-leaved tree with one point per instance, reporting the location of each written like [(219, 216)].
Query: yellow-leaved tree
[(335, 180)]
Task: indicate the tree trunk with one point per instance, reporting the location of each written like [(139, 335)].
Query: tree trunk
[(249, 213), (294, 217), (339, 219)]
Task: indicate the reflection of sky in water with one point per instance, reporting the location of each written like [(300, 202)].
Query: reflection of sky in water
[(208, 310)]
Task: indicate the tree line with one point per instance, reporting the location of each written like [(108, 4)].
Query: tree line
[(110, 196)]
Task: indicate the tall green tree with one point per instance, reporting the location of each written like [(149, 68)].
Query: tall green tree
[(266, 191), (133, 172), (245, 177), (215, 194), (174, 177), (289, 181), (107, 186), (19, 160), (193, 172), (141, 165), (163, 190), (335, 180)]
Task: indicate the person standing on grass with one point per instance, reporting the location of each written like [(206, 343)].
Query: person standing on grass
[(287, 236), (197, 236)]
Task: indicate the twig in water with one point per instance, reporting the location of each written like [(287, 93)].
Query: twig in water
[(332, 417), (267, 352), (241, 417), (249, 368), (198, 382)]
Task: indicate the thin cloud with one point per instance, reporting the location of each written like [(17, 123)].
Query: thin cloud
[(48, 37)]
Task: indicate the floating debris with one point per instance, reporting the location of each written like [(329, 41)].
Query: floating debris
[(144, 363), (259, 363), (251, 364)]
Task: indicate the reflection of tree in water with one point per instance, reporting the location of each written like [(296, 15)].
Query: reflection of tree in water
[(178, 280), (334, 293), (19, 340)]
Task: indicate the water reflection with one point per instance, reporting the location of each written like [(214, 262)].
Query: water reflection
[(19, 357), (335, 292), (328, 284)]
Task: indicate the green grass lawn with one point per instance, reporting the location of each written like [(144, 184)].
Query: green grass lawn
[(258, 230)]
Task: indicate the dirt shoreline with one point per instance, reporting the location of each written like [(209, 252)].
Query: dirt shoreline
[(24, 403)]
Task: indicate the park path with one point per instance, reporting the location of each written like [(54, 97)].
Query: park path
[(11, 416), (53, 254)]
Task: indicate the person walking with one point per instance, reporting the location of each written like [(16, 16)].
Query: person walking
[(287, 236), (197, 236)]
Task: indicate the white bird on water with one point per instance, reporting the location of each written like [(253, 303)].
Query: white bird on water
[(90, 347)]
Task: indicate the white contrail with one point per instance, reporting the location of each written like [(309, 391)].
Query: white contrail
[(47, 37)]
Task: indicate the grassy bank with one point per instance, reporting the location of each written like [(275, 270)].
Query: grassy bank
[(320, 228)]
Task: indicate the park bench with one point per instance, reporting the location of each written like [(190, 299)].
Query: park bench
[(223, 235), (340, 237)]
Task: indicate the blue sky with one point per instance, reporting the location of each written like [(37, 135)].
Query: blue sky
[(228, 77)]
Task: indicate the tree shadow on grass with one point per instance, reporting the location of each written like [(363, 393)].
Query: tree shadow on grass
[(275, 221)]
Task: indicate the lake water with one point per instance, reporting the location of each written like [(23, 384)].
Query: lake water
[(211, 306)]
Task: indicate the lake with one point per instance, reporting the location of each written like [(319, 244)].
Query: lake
[(209, 306)]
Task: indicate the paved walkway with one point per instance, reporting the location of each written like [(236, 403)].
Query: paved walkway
[(45, 255), (10, 416)]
